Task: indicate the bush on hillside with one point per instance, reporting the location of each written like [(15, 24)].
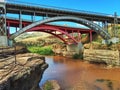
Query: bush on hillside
[(47, 50), (48, 86)]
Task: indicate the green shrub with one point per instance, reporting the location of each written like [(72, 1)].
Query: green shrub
[(78, 56), (47, 50), (48, 86)]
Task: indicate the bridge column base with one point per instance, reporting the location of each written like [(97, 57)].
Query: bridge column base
[(76, 48), (3, 41), (10, 42)]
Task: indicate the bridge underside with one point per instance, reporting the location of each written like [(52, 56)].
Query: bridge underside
[(67, 34), (49, 29)]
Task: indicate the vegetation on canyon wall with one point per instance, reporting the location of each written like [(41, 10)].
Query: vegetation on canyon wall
[(48, 86), (46, 50)]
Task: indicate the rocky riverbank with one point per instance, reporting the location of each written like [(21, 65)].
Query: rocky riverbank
[(110, 57), (23, 74)]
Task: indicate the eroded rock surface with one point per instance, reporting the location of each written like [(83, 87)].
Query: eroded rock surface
[(23, 74)]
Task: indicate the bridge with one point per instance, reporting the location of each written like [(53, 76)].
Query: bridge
[(52, 15), (66, 34), (51, 12)]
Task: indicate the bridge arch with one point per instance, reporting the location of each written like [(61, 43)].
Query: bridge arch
[(51, 30), (85, 22)]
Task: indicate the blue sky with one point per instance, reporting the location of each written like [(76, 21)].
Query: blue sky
[(101, 6)]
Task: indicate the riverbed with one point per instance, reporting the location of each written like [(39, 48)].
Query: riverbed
[(73, 74)]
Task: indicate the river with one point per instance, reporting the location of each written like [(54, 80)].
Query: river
[(78, 75)]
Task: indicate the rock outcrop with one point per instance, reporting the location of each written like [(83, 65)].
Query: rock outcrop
[(109, 57), (23, 74)]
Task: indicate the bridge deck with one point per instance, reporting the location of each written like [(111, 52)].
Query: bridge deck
[(42, 11)]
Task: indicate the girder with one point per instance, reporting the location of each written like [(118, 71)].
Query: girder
[(52, 12)]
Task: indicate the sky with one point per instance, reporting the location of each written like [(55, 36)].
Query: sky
[(100, 6)]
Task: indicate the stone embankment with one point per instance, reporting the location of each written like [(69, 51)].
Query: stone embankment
[(110, 57), (23, 74)]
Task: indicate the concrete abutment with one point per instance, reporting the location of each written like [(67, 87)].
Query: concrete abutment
[(77, 48), (73, 49), (3, 41)]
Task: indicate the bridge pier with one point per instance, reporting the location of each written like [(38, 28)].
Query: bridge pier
[(76, 48), (3, 32), (3, 41)]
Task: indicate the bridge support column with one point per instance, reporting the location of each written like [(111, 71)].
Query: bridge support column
[(3, 32), (91, 47), (3, 41), (105, 26), (10, 42), (75, 48), (115, 28), (20, 19), (33, 17)]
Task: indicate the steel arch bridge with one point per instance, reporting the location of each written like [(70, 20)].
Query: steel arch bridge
[(66, 34), (58, 33), (85, 22)]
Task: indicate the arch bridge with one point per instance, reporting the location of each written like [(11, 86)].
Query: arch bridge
[(66, 34), (51, 14)]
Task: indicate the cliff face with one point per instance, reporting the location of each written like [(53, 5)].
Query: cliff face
[(24, 75), (110, 57)]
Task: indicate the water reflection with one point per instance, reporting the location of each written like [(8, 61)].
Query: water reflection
[(78, 75)]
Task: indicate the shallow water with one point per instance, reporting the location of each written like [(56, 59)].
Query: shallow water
[(78, 75)]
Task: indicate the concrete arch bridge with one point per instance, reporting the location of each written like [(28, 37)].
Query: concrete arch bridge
[(52, 30)]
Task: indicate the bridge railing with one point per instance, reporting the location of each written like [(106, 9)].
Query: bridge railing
[(54, 7)]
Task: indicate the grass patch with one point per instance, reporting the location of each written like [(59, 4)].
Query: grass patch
[(47, 50), (48, 86)]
